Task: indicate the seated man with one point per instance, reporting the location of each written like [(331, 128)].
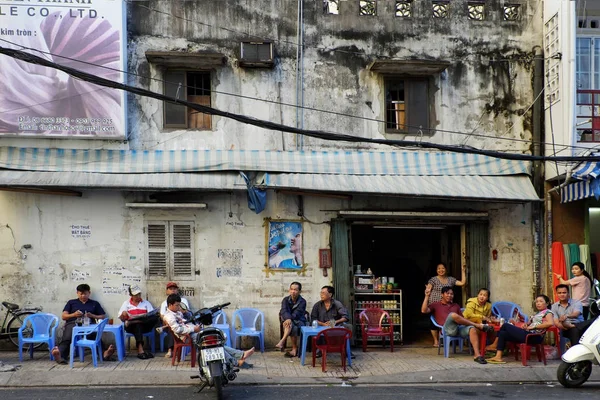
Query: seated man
[(568, 315), (292, 312), (329, 311), (74, 309), (447, 313), (174, 318), (172, 288)]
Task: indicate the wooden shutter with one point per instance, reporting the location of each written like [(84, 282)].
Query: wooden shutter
[(418, 106), (478, 252), (156, 233), (182, 250)]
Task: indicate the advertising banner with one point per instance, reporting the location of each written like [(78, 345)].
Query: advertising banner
[(37, 101), (284, 245)]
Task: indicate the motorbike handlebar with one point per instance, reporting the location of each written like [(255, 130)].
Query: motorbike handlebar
[(218, 307)]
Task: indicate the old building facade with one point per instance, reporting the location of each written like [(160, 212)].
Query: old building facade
[(169, 202)]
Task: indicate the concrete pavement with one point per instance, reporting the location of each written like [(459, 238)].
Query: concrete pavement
[(407, 365)]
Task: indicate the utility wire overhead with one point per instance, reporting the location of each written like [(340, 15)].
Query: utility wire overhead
[(32, 59), (430, 130)]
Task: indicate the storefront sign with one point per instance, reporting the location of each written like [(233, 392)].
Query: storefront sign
[(38, 101)]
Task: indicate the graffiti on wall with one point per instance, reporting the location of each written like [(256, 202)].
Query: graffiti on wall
[(230, 261)]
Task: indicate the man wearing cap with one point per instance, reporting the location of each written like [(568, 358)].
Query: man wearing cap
[(172, 288), (139, 318)]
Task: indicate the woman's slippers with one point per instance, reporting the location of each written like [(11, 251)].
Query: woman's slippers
[(289, 355), (142, 356), (149, 355), (492, 361)]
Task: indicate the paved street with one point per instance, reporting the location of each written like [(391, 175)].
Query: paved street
[(334, 392)]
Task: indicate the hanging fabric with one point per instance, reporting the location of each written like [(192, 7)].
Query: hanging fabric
[(567, 255), (573, 257), (558, 264), (584, 255)]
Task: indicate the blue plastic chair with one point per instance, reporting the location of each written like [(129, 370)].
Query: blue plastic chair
[(249, 318), (447, 340), (43, 330), (505, 309), (161, 339), (150, 335), (220, 322), (95, 345)]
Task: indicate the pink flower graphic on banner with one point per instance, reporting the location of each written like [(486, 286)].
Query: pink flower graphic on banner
[(87, 44)]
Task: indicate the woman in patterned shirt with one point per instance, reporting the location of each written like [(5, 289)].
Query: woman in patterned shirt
[(436, 284)]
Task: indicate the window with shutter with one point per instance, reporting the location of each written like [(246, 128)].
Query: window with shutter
[(170, 250), (157, 249), (406, 105), (181, 250), (194, 87)]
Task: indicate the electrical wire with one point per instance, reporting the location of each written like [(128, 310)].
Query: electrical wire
[(319, 134), (430, 130)]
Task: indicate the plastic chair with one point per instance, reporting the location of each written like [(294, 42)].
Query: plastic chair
[(525, 348), (180, 346), (249, 319), (95, 345), (220, 322), (447, 340), (334, 340), (43, 330), (149, 335), (505, 309), (371, 322), (161, 339), (558, 339)]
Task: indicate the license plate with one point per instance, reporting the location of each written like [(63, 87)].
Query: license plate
[(213, 354)]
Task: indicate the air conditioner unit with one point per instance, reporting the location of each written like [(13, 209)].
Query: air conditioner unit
[(257, 54)]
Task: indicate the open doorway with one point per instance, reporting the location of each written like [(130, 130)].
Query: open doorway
[(409, 254)]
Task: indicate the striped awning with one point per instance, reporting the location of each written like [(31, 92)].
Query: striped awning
[(406, 173), (576, 191)]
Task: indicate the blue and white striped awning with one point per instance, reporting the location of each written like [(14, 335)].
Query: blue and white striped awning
[(307, 162), (406, 173), (576, 191)]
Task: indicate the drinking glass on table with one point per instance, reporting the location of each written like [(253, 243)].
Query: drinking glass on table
[(332, 323)]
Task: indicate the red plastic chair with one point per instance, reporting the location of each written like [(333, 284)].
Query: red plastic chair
[(525, 348), (333, 341), (178, 346), (556, 332), (371, 322)]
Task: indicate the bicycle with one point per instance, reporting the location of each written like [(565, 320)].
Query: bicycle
[(10, 330)]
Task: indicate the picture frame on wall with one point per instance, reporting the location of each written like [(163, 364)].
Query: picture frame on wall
[(284, 241)]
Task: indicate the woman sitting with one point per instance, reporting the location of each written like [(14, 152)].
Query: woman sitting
[(538, 323), (133, 314)]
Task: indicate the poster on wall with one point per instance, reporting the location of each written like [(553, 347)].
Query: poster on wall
[(38, 101), (284, 245)]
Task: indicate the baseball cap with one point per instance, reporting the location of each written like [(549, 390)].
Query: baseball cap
[(133, 290), (172, 284)]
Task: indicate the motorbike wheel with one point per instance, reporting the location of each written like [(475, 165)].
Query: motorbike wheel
[(572, 375), (216, 373)]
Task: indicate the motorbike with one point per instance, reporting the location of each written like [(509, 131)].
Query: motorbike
[(214, 370), (576, 365)]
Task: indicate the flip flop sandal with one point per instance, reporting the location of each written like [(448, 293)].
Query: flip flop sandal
[(109, 358), (289, 355), (142, 356), (495, 362), (149, 355)]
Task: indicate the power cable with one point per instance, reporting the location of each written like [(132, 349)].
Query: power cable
[(323, 135), (430, 130)]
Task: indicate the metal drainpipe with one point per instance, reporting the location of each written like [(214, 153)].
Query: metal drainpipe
[(538, 171), (549, 241), (300, 75)]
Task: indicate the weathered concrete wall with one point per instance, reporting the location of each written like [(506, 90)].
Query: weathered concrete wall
[(487, 87), (108, 251)]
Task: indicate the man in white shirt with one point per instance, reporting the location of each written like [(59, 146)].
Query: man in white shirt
[(172, 288), (173, 317)]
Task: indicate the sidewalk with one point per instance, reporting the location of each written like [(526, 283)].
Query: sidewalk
[(407, 365)]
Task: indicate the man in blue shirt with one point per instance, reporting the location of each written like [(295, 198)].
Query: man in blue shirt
[(74, 309), (568, 314)]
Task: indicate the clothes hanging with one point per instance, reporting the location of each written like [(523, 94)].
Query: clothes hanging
[(573, 257), (567, 255), (558, 264), (584, 255)]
